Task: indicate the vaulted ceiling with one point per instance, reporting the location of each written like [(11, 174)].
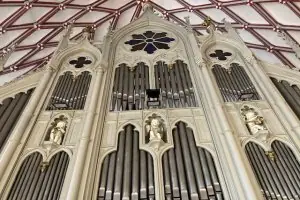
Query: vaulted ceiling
[(36, 26)]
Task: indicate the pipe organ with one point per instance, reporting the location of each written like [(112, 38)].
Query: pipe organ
[(189, 171), (278, 171), (128, 172), (40, 180), (234, 83), (10, 111), (291, 93), (70, 92), (152, 111)]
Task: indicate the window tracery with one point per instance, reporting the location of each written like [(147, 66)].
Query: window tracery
[(80, 62), (149, 41)]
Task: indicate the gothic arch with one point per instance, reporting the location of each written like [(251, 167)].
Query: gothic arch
[(127, 172), (189, 170), (37, 179), (277, 171)]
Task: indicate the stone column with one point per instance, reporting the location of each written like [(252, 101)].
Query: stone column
[(278, 104), (19, 130), (237, 173), (82, 147)]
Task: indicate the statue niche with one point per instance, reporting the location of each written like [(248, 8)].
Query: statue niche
[(254, 123), (57, 130), (155, 131)]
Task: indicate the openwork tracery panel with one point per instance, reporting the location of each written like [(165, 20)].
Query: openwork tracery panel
[(234, 83), (129, 90), (277, 171), (70, 92), (10, 110), (128, 172), (291, 94), (176, 85), (189, 171), (37, 180)]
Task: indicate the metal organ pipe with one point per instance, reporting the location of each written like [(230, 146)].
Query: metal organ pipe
[(234, 82), (196, 172), (71, 91), (278, 178), (131, 170), (10, 111)]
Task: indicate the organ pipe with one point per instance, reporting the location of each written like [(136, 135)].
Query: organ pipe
[(70, 91), (234, 84), (129, 87), (278, 178), (175, 84), (189, 171), (34, 184), (10, 110), (290, 93), (127, 173)]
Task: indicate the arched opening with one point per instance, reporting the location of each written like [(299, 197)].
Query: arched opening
[(128, 172), (234, 83), (39, 180), (277, 171), (189, 171), (70, 92), (10, 111)]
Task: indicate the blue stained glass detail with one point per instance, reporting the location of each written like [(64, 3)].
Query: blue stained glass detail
[(149, 41)]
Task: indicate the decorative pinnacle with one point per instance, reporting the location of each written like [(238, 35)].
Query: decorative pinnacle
[(207, 22)]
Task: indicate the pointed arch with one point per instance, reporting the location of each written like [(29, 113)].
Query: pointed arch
[(189, 171), (40, 180), (277, 171), (70, 92), (127, 173)]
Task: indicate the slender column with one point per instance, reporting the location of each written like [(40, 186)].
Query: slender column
[(234, 158), (19, 129), (276, 101), (79, 162)]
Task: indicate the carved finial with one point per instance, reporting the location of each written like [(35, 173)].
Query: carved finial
[(290, 42), (4, 56), (88, 32), (228, 25), (44, 166), (209, 25), (148, 8), (188, 22)]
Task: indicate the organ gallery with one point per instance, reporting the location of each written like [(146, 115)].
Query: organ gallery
[(154, 112)]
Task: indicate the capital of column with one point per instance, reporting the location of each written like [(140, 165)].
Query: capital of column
[(100, 70)]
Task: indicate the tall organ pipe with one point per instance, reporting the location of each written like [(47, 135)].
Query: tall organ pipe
[(130, 169), (196, 171), (234, 83), (278, 178), (70, 91), (34, 184), (10, 111), (290, 93)]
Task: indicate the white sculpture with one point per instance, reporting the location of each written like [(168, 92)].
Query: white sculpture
[(58, 131), (254, 122), (155, 129)]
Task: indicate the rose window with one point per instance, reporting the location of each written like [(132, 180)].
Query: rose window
[(149, 41)]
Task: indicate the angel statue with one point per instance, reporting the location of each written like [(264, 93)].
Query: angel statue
[(58, 131), (254, 122), (155, 129)]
